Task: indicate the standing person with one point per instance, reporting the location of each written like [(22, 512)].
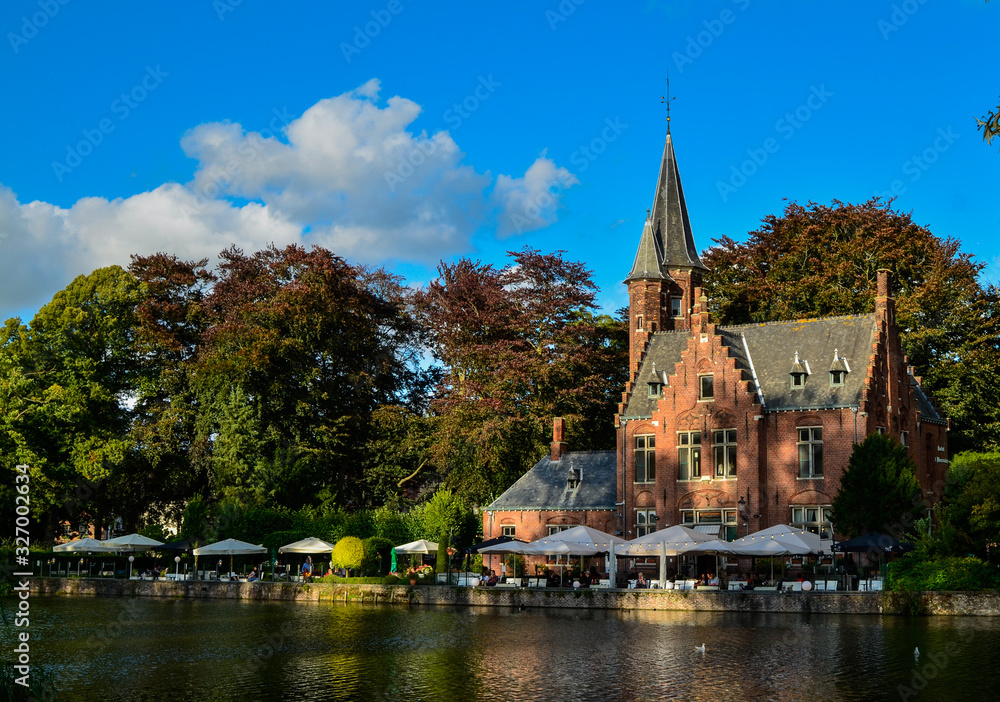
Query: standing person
[(307, 568)]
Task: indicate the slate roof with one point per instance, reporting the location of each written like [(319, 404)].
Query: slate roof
[(648, 257), (927, 410), (544, 487), (670, 216), (772, 349)]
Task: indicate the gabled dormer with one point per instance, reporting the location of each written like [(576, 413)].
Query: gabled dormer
[(838, 370), (799, 373), (655, 380)]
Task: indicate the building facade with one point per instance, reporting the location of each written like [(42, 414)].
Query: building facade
[(731, 429)]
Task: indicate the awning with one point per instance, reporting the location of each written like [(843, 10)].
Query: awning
[(712, 529)]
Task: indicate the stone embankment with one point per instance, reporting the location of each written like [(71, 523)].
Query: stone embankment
[(942, 603)]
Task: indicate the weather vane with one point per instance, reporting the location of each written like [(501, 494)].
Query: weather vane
[(666, 100)]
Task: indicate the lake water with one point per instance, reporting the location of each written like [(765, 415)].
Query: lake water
[(160, 649)]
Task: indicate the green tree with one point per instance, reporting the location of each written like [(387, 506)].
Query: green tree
[(518, 346), (879, 490), (972, 504), (818, 260), (68, 379), (349, 553)]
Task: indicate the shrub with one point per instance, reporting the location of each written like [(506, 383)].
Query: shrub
[(390, 580), (377, 556), (911, 573), (349, 553)]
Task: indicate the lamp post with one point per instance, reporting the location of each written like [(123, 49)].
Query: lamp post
[(131, 559), (177, 566), (78, 566)]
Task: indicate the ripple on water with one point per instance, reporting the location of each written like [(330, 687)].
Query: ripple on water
[(148, 649)]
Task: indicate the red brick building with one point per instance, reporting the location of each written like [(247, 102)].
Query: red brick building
[(734, 429)]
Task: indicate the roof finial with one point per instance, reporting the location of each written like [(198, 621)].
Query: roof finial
[(666, 99), (647, 213)]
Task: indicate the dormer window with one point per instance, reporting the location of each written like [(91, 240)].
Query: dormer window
[(838, 370), (799, 373), (573, 479), (655, 381)]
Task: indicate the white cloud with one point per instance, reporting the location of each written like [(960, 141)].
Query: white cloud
[(347, 174), (531, 202)]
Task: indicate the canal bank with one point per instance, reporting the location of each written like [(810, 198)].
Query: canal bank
[(929, 603)]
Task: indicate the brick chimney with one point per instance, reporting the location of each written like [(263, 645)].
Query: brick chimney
[(558, 445)]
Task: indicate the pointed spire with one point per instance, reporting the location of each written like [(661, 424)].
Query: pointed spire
[(670, 216), (648, 257)]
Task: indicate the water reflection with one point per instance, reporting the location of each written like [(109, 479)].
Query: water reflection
[(146, 649)]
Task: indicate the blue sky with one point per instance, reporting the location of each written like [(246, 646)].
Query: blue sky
[(401, 132)]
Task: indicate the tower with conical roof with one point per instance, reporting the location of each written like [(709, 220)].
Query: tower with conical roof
[(666, 271)]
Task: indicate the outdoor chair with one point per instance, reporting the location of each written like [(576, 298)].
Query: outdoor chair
[(831, 585), (736, 585), (876, 585), (819, 585), (533, 582), (795, 586)]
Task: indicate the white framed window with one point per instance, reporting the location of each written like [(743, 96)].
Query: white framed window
[(706, 387), (724, 447), (638, 322), (676, 311), (653, 389), (837, 377), (645, 521), (880, 430), (689, 455), (904, 438), (726, 519), (814, 518), (508, 530), (810, 452), (645, 458)]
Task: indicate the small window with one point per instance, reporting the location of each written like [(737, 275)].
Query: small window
[(706, 387), (675, 307), (724, 446), (810, 452), (798, 380), (653, 389), (645, 521), (638, 322), (689, 455), (837, 378), (508, 530), (645, 458), (880, 430), (904, 438)]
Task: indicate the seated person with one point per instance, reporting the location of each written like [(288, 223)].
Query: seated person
[(253, 577), (641, 581), (713, 579), (492, 580)]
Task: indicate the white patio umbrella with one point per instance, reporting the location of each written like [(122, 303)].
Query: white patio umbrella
[(132, 542), (517, 547), (308, 545), (768, 547), (420, 546), (230, 547), (550, 546), (84, 545), (797, 538), (589, 536), (664, 542)]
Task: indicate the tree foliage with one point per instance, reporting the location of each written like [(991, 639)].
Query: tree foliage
[(518, 346), (818, 260), (348, 553), (879, 491)]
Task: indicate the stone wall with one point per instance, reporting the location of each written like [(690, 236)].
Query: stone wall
[(938, 603)]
